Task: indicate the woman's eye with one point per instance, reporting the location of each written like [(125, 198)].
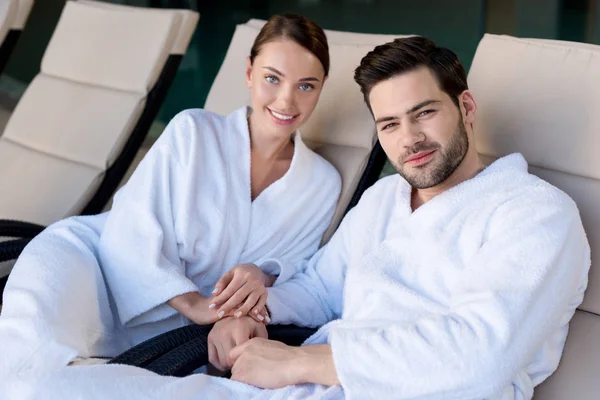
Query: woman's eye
[(305, 87), (271, 79)]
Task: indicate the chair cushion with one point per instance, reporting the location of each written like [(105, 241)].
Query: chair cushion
[(128, 52), (186, 22), (48, 188), (24, 8), (350, 161), (577, 373), (80, 123), (8, 14)]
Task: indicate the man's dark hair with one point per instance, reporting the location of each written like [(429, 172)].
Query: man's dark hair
[(407, 54)]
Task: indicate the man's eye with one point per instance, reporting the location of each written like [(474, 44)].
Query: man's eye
[(305, 87), (389, 126), (424, 113), (271, 79)]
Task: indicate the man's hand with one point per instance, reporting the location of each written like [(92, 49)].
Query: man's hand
[(229, 333), (243, 289), (270, 365)]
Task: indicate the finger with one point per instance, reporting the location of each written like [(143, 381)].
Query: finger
[(237, 351), (250, 302), (260, 330), (223, 351), (259, 309), (224, 281), (238, 298), (213, 356), (230, 290)]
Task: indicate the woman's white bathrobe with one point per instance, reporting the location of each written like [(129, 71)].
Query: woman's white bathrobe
[(184, 218), (468, 297)]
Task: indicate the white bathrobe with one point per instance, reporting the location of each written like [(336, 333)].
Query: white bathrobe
[(184, 218), (468, 297)]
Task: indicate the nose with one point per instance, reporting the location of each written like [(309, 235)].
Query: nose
[(410, 134), (286, 100)]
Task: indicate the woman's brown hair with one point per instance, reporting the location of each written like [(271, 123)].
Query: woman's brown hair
[(297, 28)]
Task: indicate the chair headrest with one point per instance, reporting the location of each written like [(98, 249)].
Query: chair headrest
[(112, 28), (539, 97)]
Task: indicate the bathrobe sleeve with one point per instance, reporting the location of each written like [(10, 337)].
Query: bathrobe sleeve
[(138, 248), (523, 284), (314, 296)]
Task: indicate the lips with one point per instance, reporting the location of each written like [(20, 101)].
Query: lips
[(420, 158), (282, 118)]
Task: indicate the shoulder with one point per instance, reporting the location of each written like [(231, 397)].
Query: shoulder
[(192, 121), (532, 200), (323, 172), (189, 132)]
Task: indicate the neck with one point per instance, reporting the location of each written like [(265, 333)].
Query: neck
[(266, 146), (468, 169)]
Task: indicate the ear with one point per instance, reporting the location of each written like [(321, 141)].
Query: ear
[(468, 107), (248, 73)]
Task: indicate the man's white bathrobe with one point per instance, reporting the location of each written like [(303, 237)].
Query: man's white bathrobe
[(468, 297), (184, 218)]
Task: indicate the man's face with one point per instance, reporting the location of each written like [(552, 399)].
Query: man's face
[(419, 127)]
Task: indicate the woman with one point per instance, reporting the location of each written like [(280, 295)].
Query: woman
[(214, 197)]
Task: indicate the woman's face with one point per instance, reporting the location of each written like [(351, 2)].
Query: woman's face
[(285, 82)]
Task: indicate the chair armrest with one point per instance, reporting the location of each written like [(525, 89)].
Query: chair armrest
[(181, 351), (11, 249), (20, 229)]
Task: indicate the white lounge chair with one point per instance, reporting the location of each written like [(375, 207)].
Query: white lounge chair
[(79, 124)]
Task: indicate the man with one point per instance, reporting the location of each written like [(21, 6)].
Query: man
[(449, 280), (446, 281)]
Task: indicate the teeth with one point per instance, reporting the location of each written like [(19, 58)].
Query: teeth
[(281, 116)]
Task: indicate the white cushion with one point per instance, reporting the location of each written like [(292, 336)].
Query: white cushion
[(532, 92), (77, 122), (187, 21), (110, 47), (24, 9), (42, 188), (577, 375)]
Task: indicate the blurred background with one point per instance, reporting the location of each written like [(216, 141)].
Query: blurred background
[(456, 24)]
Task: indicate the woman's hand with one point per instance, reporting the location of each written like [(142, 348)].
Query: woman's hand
[(195, 307), (242, 291)]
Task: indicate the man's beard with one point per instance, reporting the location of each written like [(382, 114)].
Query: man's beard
[(430, 175)]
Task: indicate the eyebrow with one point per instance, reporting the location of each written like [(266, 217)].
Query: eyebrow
[(409, 111), (309, 79)]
